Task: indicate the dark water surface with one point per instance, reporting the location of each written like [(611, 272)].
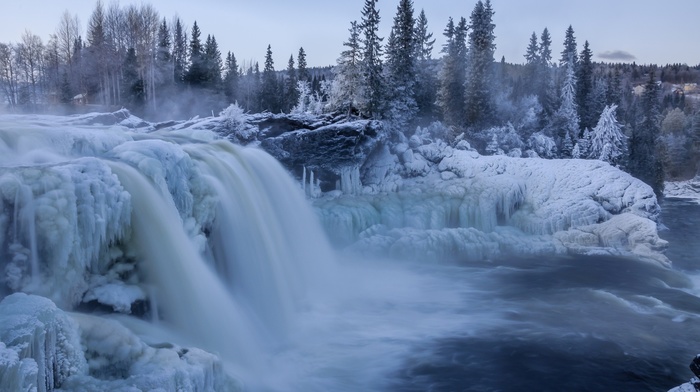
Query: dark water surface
[(575, 323)]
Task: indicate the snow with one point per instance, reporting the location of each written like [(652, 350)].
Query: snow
[(689, 189)]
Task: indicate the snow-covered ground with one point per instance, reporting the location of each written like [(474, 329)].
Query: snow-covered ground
[(689, 189)]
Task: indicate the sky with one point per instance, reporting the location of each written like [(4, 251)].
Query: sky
[(645, 31)]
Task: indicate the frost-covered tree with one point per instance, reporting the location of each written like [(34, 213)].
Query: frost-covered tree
[(401, 66), (565, 119), (346, 91), (372, 65), (452, 75), (426, 76), (545, 89), (608, 143), (479, 95)]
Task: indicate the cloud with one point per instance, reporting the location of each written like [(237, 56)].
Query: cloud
[(619, 55)]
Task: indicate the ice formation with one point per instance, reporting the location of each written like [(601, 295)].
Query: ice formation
[(167, 224), (217, 243), (455, 203)]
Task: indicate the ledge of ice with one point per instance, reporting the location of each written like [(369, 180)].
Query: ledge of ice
[(689, 189)]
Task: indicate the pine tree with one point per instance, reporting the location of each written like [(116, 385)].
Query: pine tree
[(231, 78), (212, 64), (372, 66), (423, 38), (401, 66), (452, 75), (164, 58), (269, 89), (608, 143), (532, 55), (196, 74), (546, 91), (570, 52), (302, 71), (532, 65), (291, 94), (644, 162), (584, 88), (479, 97), (179, 53), (426, 79)]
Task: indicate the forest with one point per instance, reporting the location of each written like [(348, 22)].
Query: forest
[(644, 119)]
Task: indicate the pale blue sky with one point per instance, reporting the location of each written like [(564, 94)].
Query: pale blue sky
[(650, 30)]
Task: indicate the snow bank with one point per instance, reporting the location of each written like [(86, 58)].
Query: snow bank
[(689, 190)]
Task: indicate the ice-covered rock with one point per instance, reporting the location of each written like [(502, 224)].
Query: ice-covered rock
[(579, 206), (689, 189), (39, 345)]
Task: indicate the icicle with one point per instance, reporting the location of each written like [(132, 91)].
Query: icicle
[(303, 182), (311, 184)]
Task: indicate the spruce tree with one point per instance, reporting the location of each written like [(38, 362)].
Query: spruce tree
[(532, 64), (212, 64), (179, 53), (426, 79), (302, 71), (291, 94), (644, 162), (401, 66), (231, 78), (450, 95), (570, 52), (269, 89), (565, 120), (479, 96), (585, 88), (196, 74), (373, 88), (546, 90), (423, 38)]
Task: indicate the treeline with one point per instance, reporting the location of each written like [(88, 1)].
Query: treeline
[(131, 57)]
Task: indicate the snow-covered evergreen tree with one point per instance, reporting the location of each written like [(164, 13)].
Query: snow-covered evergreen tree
[(302, 70), (608, 143), (426, 77), (291, 95), (179, 52), (231, 78), (479, 96), (585, 88), (269, 92), (565, 119), (346, 92), (401, 66), (450, 95), (196, 73), (644, 162), (372, 66), (570, 53)]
